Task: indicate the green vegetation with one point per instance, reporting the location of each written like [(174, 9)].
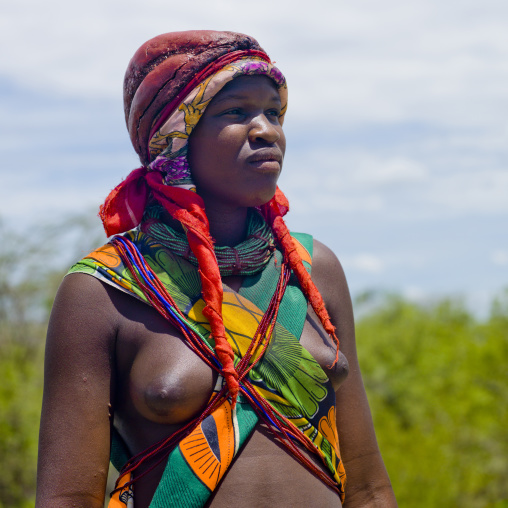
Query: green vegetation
[(436, 378), (438, 388), (27, 290)]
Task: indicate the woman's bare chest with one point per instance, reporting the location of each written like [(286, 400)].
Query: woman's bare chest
[(165, 382)]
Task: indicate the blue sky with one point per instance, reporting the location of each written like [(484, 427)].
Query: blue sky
[(397, 124)]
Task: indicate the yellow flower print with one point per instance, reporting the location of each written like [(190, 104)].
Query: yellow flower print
[(194, 109), (328, 428)]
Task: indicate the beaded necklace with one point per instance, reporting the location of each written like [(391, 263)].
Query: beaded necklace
[(247, 258)]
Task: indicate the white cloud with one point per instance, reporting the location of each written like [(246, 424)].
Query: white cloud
[(347, 62), (364, 262), (369, 171), (499, 257), (473, 192), (346, 167), (434, 177), (415, 294)]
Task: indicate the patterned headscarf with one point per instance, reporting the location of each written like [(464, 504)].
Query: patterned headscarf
[(169, 83), (169, 137)]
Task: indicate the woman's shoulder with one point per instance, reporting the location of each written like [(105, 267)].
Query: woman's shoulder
[(326, 267), (323, 254), (82, 288), (83, 303)]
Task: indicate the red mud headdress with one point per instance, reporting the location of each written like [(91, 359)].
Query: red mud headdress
[(168, 84)]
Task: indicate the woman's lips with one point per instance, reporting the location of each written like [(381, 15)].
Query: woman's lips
[(266, 160)]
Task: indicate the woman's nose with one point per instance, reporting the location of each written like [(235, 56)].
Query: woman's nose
[(263, 129)]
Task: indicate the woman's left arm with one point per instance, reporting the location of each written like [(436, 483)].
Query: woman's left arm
[(367, 482)]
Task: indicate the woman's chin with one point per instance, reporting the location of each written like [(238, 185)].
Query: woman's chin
[(263, 198), (253, 194)]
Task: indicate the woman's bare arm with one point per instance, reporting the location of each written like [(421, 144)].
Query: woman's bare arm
[(367, 480), (74, 441)]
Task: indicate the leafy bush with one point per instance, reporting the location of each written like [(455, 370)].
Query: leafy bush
[(27, 290), (437, 384), (20, 405)]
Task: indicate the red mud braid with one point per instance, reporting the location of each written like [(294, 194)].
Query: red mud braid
[(195, 224), (123, 210), (273, 212)]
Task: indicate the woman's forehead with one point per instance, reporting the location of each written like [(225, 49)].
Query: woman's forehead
[(244, 87)]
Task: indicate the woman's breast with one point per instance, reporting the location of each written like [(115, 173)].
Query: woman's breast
[(317, 342), (159, 379), (167, 383)]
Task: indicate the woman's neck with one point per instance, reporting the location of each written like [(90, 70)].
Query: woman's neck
[(227, 226)]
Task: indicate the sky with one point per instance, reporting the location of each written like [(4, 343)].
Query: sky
[(397, 126)]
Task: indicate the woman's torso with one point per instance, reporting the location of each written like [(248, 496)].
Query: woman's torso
[(161, 384)]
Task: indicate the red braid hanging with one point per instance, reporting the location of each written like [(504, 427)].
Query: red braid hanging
[(273, 212), (188, 208), (123, 210)]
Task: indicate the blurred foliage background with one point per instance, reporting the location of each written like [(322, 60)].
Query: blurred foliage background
[(435, 374)]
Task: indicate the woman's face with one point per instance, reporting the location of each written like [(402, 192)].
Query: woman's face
[(237, 148)]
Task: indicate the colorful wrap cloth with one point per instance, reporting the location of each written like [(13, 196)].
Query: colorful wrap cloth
[(285, 376)]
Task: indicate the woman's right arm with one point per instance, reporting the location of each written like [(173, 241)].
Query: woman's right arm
[(74, 440)]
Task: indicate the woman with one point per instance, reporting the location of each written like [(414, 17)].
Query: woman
[(221, 391)]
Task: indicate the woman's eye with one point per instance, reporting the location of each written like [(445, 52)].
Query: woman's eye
[(234, 111)]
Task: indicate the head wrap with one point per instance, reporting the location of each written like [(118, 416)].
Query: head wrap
[(168, 84), (169, 137), (166, 68)]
